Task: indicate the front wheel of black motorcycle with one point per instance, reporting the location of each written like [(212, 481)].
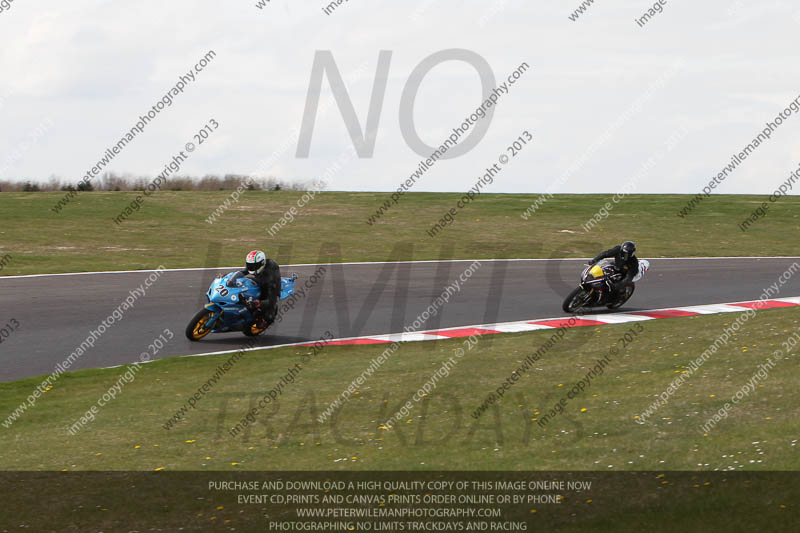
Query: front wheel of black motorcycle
[(575, 300)]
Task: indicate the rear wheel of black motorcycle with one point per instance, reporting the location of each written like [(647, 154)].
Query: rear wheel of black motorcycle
[(197, 329), (575, 300), (624, 298)]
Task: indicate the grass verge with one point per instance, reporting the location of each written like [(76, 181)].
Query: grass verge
[(597, 430), (171, 228)]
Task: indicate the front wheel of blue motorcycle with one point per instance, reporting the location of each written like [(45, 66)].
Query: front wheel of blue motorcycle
[(197, 329)]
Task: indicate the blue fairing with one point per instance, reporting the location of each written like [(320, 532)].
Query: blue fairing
[(226, 297), (287, 287)]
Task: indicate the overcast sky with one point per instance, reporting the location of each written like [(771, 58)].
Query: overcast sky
[(603, 95)]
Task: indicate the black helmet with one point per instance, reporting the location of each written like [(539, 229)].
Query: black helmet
[(627, 250)]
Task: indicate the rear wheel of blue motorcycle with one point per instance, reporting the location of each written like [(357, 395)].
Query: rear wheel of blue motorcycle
[(197, 329), (254, 331)]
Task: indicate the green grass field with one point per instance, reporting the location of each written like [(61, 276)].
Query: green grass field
[(171, 228), (597, 431)]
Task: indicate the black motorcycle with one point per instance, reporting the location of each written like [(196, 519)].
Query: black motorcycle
[(595, 288)]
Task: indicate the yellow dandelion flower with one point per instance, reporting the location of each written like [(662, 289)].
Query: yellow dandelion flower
[(583, 409), (160, 468), (192, 441)]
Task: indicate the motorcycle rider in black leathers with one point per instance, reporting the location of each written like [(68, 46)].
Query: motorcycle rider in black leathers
[(625, 261), (267, 274)]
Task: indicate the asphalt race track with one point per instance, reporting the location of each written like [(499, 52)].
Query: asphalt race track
[(56, 312)]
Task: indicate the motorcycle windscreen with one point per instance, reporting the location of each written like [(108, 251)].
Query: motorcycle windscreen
[(233, 281)]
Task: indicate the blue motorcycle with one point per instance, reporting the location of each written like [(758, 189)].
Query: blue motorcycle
[(226, 310)]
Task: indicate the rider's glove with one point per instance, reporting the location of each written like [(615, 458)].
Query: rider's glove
[(252, 304)]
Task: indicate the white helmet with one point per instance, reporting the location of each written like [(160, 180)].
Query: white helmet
[(256, 261)]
